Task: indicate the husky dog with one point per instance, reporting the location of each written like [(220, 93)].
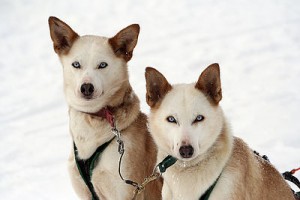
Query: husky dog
[(96, 82), (187, 122)]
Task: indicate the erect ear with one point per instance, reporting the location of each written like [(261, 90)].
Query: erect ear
[(62, 35), (124, 42), (209, 83), (157, 87)]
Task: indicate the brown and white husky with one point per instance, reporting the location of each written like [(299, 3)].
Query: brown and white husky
[(96, 80), (187, 122)]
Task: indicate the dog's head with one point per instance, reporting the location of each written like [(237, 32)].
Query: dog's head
[(185, 119), (94, 67)]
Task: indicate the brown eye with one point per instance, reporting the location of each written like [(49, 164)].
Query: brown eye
[(199, 118), (76, 64), (171, 119)]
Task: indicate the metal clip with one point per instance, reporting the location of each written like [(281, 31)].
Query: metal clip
[(117, 133), (121, 146), (140, 188)]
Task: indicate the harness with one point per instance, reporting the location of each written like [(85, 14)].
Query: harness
[(288, 176), (161, 168), (86, 167)]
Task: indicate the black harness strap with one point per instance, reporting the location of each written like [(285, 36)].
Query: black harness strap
[(206, 195), (86, 167), (289, 177)]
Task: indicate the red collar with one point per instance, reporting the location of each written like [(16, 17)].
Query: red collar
[(105, 113)]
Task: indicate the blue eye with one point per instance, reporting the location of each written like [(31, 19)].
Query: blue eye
[(199, 118), (102, 65), (171, 119), (76, 64)]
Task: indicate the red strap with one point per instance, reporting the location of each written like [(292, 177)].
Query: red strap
[(107, 114), (295, 170), (109, 117)]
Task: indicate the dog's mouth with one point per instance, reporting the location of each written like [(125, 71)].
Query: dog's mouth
[(92, 97), (87, 98)]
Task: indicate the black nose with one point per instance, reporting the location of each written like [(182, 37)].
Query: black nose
[(186, 151), (87, 89)]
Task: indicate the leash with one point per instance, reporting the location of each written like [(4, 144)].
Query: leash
[(157, 172), (107, 114), (86, 167), (86, 170)]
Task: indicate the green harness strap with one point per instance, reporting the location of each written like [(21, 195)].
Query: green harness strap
[(170, 160), (86, 167)]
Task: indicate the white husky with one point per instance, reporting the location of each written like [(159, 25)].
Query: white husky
[(96, 83), (187, 123)]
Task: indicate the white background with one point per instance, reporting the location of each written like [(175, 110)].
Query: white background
[(256, 43)]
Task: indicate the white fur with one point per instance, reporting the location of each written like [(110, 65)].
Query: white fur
[(191, 177), (110, 89), (243, 175), (90, 51), (185, 102)]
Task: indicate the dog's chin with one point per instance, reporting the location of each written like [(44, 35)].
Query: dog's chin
[(188, 162), (88, 105), (179, 158)]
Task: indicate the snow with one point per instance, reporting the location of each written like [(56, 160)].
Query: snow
[(256, 43)]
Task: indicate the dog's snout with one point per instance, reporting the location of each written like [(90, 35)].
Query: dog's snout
[(87, 89), (186, 151)]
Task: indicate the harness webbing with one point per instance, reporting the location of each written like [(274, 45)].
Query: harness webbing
[(170, 160), (206, 195), (86, 167)]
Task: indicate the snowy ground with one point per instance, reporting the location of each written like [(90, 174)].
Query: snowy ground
[(256, 43)]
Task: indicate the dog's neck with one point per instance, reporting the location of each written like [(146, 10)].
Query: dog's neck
[(104, 113), (90, 130)]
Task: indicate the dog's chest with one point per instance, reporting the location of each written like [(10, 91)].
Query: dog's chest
[(88, 133), (192, 184), (187, 184), (182, 185)]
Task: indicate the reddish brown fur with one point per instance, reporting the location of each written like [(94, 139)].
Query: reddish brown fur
[(62, 35), (157, 87), (124, 42), (210, 84), (255, 178)]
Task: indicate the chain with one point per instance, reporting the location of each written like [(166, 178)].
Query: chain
[(139, 187), (157, 172), (117, 133)]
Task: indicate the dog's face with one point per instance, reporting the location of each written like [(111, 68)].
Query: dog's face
[(94, 67), (185, 120), (92, 73)]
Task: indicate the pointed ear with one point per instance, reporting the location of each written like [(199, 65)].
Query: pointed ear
[(62, 35), (157, 87), (209, 83), (124, 42)]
